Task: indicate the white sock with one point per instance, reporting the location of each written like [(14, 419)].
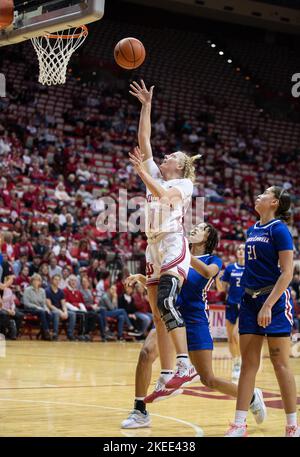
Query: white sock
[(184, 358), (166, 375), (291, 419), (240, 417)]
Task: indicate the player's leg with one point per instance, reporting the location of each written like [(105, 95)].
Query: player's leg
[(164, 342), (166, 353), (233, 342), (279, 349), (251, 346), (168, 290), (202, 361), (139, 416), (174, 268)]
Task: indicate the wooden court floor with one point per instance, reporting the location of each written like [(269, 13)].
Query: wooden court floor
[(86, 389)]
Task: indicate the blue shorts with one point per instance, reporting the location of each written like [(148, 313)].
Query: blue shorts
[(282, 315), (199, 337), (196, 319), (232, 312)]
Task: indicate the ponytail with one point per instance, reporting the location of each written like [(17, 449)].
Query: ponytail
[(189, 167), (284, 203)]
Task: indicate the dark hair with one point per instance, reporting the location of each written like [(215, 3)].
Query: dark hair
[(283, 211), (212, 240)]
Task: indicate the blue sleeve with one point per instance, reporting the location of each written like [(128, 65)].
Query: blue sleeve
[(226, 274), (216, 260), (282, 238), (62, 295), (48, 294)]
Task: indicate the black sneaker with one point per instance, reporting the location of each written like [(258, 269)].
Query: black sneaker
[(80, 338), (46, 336), (71, 338), (54, 337)]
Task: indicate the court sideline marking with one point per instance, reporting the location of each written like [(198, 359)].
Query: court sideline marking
[(198, 430)]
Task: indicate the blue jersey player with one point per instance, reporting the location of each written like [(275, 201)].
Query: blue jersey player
[(267, 308), (192, 303), (231, 284)]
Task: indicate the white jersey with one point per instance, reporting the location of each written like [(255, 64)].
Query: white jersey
[(161, 217)]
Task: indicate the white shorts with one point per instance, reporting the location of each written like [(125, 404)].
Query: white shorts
[(171, 253)]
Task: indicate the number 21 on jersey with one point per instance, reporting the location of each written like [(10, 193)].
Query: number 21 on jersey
[(251, 252)]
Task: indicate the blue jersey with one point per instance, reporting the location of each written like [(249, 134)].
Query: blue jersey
[(233, 274), (192, 300), (261, 253)]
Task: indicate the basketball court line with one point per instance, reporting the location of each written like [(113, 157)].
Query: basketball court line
[(198, 430)]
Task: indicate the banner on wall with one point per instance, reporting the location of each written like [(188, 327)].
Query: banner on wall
[(217, 321)]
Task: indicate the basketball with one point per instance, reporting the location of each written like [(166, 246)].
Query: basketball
[(129, 53)]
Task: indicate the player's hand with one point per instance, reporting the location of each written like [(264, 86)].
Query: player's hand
[(141, 92), (136, 158), (131, 280), (264, 316)]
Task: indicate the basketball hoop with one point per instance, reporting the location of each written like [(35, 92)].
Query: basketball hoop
[(54, 52)]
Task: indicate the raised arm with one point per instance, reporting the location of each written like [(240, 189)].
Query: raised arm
[(144, 134), (208, 271)]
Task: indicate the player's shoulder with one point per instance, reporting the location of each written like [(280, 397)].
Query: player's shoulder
[(279, 226), (212, 258)]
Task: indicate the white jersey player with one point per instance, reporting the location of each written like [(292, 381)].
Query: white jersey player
[(169, 191)]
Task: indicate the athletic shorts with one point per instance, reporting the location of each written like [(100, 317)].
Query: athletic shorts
[(196, 320), (282, 315), (232, 312), (171, 253), (198, 337)]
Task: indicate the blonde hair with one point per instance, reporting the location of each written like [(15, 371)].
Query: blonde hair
[(35, 276), (188, 165)]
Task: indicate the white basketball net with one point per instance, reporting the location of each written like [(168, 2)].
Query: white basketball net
[(54, 52)]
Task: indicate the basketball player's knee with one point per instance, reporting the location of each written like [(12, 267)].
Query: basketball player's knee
[(208, 380), (168, 289), (249, 364), (147, 356), (278, 365)]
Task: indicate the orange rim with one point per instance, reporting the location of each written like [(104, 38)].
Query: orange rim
[(84, 32)]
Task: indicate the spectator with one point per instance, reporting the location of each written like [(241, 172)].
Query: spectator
[(56, 301), (66, 272), (35, 265), (34, 300), (23, 280), (89, 302), (54, 269), (44, 273), (74, 302), (142, 319), (142, 304), (10, 318), (110, 304)]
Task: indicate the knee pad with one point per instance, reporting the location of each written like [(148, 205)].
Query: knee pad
[(168, 290)]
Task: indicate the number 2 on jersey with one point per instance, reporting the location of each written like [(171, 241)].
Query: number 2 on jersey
[(251, 252)]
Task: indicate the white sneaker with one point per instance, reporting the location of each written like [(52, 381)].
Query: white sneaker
[(258, 407), (292, 431), (236, 431), (183, 376), (161, 393), (136, 419)]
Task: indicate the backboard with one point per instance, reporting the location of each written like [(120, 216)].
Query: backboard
[(33, 18)]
